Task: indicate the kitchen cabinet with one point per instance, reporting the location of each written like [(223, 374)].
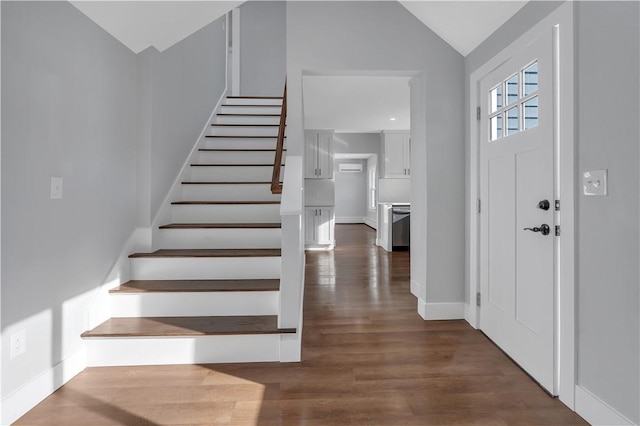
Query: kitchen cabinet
[(319, 154), (319, 224), (396, 148)]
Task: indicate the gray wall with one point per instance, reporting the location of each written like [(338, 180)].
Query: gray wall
[(351, 191), (187, 80), (357, 143), (263, 51), (384, 37), (69, 109), (607, 134)]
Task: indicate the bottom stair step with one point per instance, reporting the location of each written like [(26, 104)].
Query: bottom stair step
[(190, 340), (187, 326)]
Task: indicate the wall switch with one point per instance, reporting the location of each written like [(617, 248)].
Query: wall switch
[(56, 188), (18, 343), (594, 182)]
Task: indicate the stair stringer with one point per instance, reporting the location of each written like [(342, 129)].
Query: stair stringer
[(175, 192)]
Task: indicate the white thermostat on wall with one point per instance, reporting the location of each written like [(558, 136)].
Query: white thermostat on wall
[(594, 182)]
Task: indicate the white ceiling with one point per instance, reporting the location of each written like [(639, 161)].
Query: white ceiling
[(463, 24), (161, 24), (356, 104)]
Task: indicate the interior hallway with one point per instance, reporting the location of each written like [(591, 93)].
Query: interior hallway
[(368, 359)]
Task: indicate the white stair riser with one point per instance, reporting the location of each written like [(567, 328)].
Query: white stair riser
[(198, 268), (248, 101), (240, 119), (257, 192), (245, 109), (233, 173), (182, 350), (226, 213), (195, 304), (241, 143), (219, 238), (236, 157), (244, 131)]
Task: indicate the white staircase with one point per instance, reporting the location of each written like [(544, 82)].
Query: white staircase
[(210, 293)]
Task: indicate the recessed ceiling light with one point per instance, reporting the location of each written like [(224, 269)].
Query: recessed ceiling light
[(392, 119)]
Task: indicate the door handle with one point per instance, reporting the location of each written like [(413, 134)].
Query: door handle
[(543, 229)]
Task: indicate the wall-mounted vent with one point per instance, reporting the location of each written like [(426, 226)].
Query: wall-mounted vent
[(350, 167)]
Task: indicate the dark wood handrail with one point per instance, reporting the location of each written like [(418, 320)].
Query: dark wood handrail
[(276, 186)]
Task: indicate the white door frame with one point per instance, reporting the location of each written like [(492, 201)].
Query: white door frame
[(561, 20)]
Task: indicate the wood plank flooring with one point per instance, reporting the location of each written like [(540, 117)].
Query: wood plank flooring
[(368, 359)]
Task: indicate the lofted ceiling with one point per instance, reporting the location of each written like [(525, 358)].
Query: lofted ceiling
[(463, 24), (161, 23)]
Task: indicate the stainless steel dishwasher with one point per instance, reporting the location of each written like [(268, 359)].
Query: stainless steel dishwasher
[(400, 227)]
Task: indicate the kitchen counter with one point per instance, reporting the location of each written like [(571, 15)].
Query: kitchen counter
[(384, 235)]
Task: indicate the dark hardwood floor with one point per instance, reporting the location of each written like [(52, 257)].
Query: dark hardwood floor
[(368, 359)]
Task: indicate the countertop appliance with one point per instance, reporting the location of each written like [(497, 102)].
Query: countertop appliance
[(400, 226)]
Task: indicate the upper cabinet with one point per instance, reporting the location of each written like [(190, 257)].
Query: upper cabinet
[(319, 154), (396, 149)]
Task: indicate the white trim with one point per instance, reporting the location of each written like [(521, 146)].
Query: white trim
[(565, 311), (596, 411), (32, 393), (351, 219), (165, 206), (440, 311), (235, 56), (371, 223)]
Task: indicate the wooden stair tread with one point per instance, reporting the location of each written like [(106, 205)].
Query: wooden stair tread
[(224, 202), (237, 149), (224, 183), (222, 226), (254, 97), (164, 253), (251, 105), (179, 286), (248, 115), (187, 326), (245, 125), (242, 137), (233, 165)]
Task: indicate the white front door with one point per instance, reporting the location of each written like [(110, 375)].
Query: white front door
[(517, 182)]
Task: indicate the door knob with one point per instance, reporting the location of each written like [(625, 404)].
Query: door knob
[(544, 205), (543, 229)]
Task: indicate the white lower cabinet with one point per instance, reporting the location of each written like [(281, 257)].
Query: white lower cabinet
[(319, 224)]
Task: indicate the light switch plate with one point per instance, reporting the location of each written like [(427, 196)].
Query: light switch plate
[(56, 188), (594, 182)]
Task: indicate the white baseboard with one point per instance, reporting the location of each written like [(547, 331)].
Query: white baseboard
[(596, 411), (371, 223), (31, 394), (469, 317), (441, 311), (350, 219)]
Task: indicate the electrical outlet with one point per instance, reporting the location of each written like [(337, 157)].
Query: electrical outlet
[(18, 343)]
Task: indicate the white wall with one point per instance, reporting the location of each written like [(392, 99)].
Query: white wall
[(384, 38), (263, 55), (607, 134), (351, 193), (186, 82), (69, 109)]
